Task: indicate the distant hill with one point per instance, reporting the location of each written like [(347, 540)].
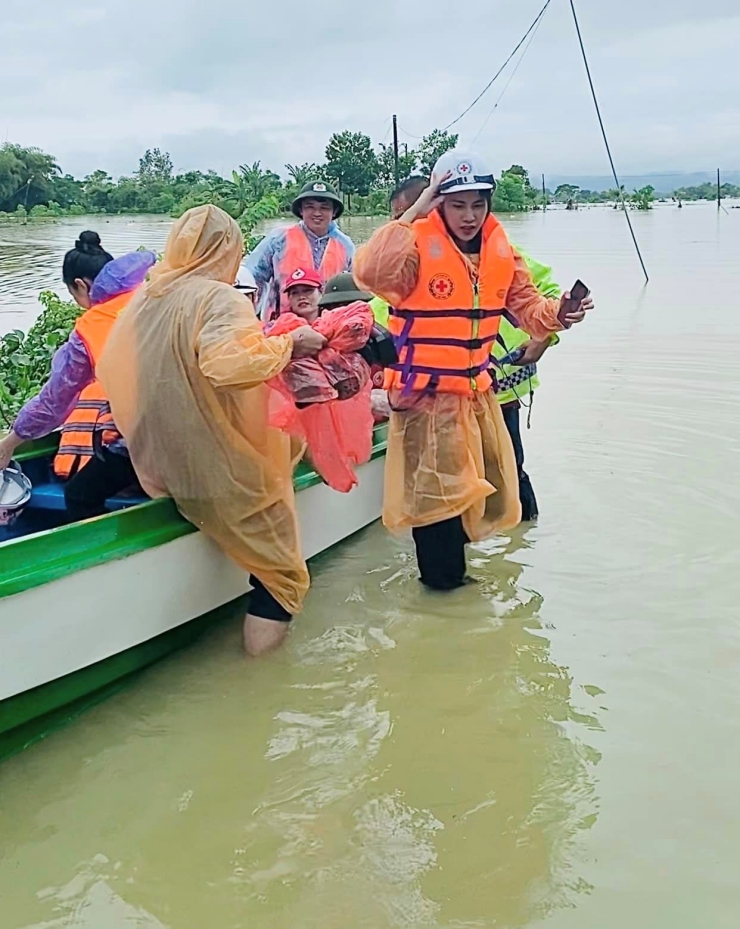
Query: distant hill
[(662, 182)]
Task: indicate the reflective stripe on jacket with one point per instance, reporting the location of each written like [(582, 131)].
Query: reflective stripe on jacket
[(92, 412)]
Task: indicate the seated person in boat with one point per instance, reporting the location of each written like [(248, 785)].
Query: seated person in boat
[(315, 242), (92, 453), (185, 370)]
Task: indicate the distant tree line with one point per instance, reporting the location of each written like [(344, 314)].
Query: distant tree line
[(32, 183)]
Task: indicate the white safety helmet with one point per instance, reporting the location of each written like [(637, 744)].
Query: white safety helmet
[(245, 280), (467, 170)]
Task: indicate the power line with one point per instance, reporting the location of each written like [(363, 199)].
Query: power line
[(506, 86), (419, 138), (606, 140), (502, 68)]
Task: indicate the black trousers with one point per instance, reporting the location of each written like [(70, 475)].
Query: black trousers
[(526, 491), (263, 604), (85, 493), (440, 552)]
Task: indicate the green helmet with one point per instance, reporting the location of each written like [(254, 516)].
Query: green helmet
[(341, 290), (318, 190)]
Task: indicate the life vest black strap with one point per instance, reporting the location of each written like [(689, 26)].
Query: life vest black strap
[(446, 314), (437, 373), (469, 344)]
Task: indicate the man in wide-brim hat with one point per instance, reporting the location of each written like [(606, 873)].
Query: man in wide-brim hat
[(316, 241)]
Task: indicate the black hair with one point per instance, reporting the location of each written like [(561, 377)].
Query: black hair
[(411, 183), (86, 260)]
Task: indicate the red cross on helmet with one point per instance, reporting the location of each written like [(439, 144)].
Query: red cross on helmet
[(467, 171)]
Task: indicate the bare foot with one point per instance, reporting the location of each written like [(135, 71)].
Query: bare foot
[(263, 635)]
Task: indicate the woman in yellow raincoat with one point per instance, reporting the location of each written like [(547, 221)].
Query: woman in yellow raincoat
[(185, 370), (449, 274)]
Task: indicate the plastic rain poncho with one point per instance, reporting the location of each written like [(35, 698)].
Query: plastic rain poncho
[(448, 454), (185, 370)]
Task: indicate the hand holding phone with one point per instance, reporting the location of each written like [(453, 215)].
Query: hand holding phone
[(578, 294)]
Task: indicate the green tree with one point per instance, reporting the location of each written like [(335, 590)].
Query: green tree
[(522, 175), (432, 147), (26, 176), (68, 192), (566, 192), (303, 174), (155, 166), (259, 181), (407, 159), (248, 186), (643, 198), (510, 195), (97, 188), (351, 163)]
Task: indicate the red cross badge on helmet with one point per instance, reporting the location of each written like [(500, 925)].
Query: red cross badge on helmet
[(463, 168)]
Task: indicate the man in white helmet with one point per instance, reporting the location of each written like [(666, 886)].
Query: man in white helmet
[(449, 273)]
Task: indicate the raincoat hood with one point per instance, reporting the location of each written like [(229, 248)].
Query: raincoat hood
[(204, 242)]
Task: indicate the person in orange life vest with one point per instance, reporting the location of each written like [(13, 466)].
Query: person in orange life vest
[(340, 291), (102, 286), (315, 242), (449, 274)]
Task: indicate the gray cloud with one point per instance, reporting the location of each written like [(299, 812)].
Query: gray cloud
[(221, 83)]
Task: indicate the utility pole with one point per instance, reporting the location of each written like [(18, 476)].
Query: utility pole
[(395, 150), (719, 191), (544, 194)]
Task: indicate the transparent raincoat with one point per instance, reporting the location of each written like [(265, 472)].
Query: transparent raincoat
[(448, 454), (185, 370)]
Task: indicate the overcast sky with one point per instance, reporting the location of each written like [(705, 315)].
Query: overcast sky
[(224, 82)]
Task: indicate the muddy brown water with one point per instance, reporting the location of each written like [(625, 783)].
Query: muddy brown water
[(555, 746)]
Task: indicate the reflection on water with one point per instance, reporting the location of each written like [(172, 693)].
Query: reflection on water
[(350, 781), (554, 746)]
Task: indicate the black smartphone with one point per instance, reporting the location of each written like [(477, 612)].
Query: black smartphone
[(578, 292)]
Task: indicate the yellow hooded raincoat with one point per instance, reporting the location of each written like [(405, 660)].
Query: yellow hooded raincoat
[(185, 370)]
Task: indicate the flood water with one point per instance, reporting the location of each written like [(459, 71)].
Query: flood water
[(556, 746), (31, 255)]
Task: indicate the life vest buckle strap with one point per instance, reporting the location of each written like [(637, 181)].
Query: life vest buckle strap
[(458, 313)]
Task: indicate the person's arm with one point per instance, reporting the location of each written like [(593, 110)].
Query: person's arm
[(234, 352), (536, 314), (71, 372), (541, 274), (260, 262), (388, 265)]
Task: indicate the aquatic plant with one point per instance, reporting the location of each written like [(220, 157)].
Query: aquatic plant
[(25, 359)]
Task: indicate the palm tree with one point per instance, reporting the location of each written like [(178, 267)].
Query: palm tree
[(303, 174)]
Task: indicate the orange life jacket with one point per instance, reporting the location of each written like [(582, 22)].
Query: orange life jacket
[(298, 254), (444, 330), (92, 412)]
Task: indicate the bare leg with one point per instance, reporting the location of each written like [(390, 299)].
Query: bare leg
[(263, 635)]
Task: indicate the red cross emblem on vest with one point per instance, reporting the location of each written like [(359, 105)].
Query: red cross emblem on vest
[(441, 286)]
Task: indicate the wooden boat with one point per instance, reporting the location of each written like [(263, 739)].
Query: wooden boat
[(84, 605)]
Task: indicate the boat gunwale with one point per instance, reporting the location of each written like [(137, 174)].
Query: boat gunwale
[(40, 558)]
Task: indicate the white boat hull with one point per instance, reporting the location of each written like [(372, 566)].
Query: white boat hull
[(68, 624)]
